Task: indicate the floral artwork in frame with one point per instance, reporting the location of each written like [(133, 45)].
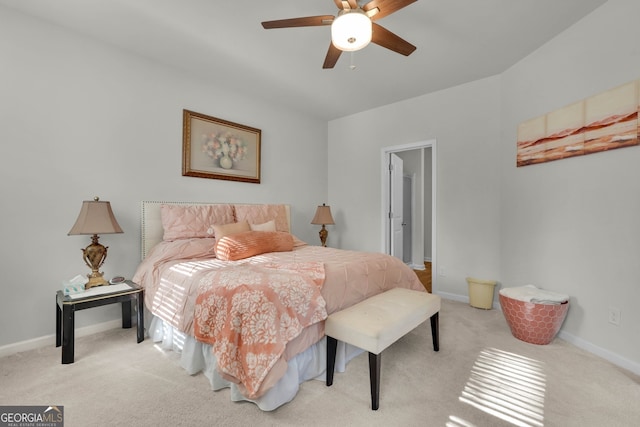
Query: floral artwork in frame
[(219, 149)]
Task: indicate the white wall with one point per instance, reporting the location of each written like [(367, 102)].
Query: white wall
[(465, 122), (573, 225), (79, 119)]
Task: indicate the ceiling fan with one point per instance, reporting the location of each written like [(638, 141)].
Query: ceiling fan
[(354, 27)]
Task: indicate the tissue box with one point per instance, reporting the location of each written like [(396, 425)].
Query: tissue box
[(70, 289), (75, 285)]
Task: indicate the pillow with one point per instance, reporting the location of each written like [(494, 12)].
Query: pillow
[(182, 248), (193, 221), (250, 243), (229, 229), (297, 243), (267, 226), (258, 214)]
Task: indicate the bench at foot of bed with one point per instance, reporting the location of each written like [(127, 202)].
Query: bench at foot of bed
[(376, 323)]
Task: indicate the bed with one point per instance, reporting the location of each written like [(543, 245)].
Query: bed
[(244, 301)]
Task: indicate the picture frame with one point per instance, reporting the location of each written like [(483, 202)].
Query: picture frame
[(219, 149)]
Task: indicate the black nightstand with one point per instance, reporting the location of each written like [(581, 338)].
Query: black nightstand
[(67, 306)]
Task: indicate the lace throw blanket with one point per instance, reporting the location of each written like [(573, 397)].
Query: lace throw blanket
[(248, 313)]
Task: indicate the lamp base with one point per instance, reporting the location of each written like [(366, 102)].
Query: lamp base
[(96, 280), (94, 256), (323, 235)]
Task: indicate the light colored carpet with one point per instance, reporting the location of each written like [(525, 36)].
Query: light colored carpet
[(482, 376)]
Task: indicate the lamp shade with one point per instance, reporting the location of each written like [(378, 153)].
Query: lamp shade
[(323, 215), (96, 217), (351, 30)]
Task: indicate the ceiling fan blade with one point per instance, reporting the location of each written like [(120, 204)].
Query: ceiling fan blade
[(385, 7), (333, 54), (385, 38), (353, 4), (308, 21)]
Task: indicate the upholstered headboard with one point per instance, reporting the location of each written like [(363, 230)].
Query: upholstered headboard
[(151, 222)]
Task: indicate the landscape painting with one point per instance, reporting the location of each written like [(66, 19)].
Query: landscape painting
[(603, 122)]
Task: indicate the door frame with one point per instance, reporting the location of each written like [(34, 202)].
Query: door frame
[(385, 186)]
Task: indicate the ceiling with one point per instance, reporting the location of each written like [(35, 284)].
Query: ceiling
[(222, 41)]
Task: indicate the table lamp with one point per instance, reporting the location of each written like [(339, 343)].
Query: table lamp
[(323, 217), (96, 217)]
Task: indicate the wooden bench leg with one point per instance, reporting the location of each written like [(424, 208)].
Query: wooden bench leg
[(374, 379), (435, 332), (332, 344)]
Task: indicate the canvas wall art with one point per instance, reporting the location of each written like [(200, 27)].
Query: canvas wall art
[(602, 122)]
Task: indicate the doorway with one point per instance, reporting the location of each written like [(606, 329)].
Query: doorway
[(419, 162)]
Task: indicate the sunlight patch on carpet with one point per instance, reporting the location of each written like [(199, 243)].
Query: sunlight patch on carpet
[(508, 386)]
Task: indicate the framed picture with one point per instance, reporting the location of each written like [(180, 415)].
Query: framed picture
[(219, 149)]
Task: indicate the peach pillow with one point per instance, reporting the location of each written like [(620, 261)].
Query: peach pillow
[(193, 221), (250, 243), (297, 243)]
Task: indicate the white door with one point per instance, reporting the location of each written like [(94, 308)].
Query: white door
[(407, 230), (395, 205)]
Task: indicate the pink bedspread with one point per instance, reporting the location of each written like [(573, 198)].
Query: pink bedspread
[(172, 271), (248, 313)]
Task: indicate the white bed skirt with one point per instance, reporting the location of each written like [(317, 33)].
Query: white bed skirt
[(196, 356)]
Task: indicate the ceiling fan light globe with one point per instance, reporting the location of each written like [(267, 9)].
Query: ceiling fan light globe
[(351, 30)]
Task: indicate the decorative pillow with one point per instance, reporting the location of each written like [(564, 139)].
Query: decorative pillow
[(229, 229), (259, 214), (244, 245), (267, 226), (193, 221), (297, 243)]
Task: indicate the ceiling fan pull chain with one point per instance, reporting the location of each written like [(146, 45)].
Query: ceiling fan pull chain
[(352, 66)]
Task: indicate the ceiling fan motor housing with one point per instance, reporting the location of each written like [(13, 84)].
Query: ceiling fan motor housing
[(351, 30)]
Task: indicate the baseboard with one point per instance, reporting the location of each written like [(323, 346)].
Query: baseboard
[(416, 267), (465, 299), (610, 356), (50, 340), (453, 297)]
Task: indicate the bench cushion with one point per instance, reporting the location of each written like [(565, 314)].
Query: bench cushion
[(379, 321)]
